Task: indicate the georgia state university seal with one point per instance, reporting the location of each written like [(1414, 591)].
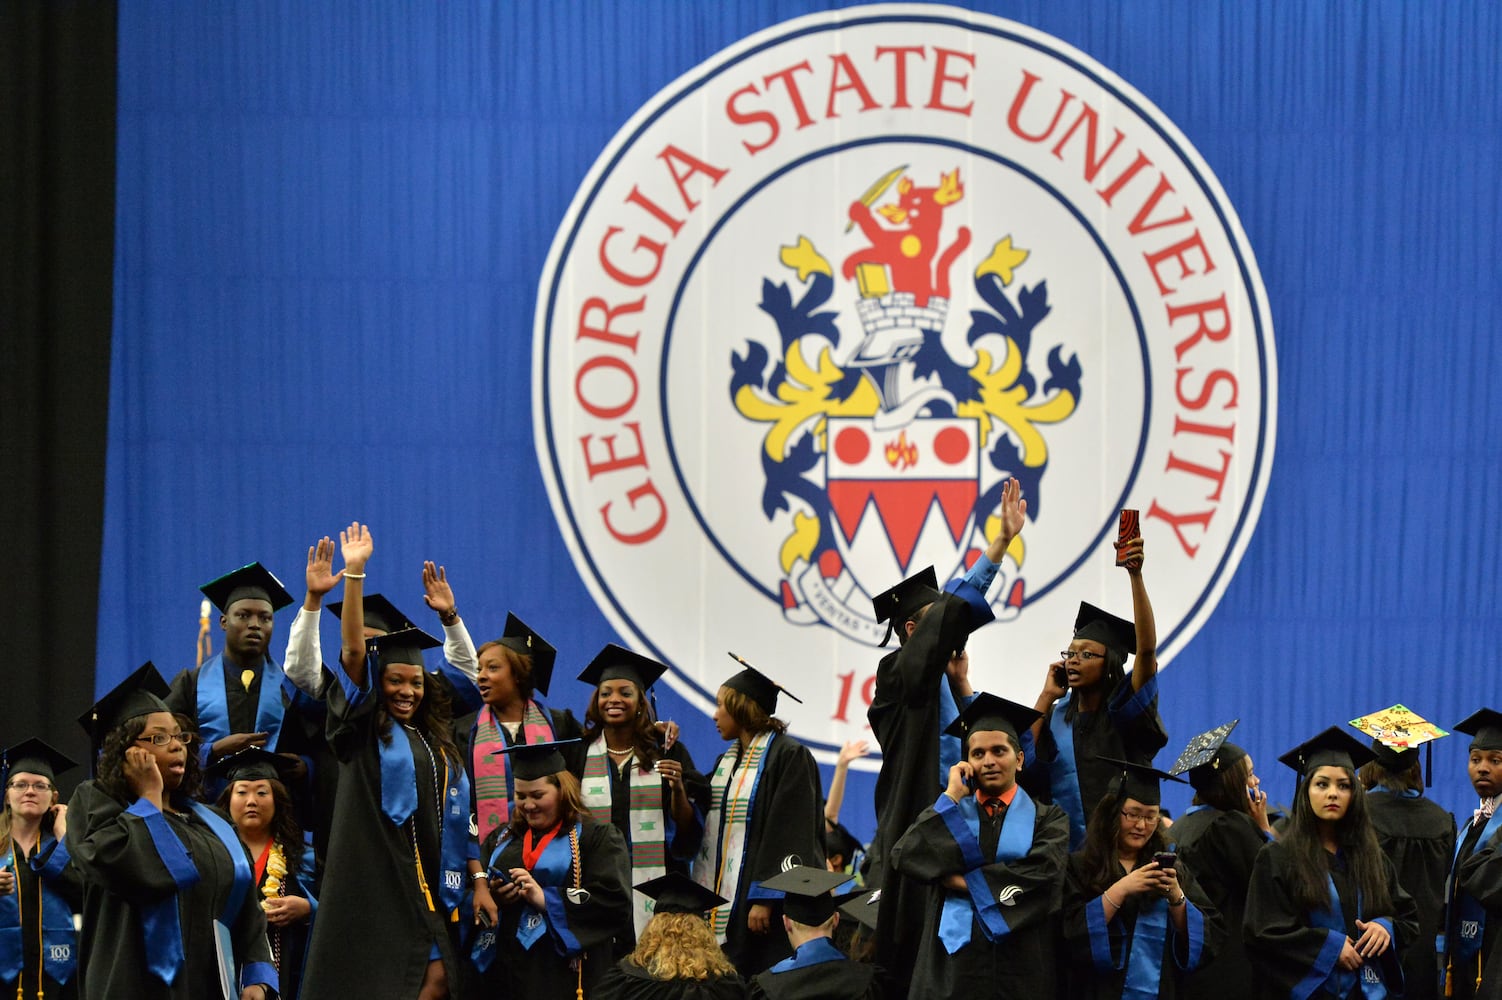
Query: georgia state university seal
[(824, 294)]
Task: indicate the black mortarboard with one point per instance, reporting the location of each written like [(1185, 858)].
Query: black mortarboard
[(990, 713), (404, 646), (675, 892), (33, 756), (1485, 728), (530, 761), (252, 581), (1332, 748), (862, 908), (905, 600), (808, 893), (251, 764), (841, 841), (1139, 781), (139, 694), (619, 663), (1105, 628), (757, 686), (380, 614), (1206, 755), (519, 638)]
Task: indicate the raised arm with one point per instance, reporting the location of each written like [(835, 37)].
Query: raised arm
[(458, 647), (1012, 514), (835, 797), (1145, 662), (356, 545), (303, 663)]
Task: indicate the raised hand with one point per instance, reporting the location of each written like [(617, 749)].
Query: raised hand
[(59, 821), (321, 576), (959, 776), (436, 590), (1013, 512), (851, 751), (356, 545), (1130, 554)]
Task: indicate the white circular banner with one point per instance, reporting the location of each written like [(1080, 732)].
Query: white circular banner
[(824, 293)]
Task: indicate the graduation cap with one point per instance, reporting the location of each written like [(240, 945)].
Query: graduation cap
[(614, 663), (380, 614), (808, 893), (1207, 755), (1332, 748), (1139, 781), (841, 841), (905, 600), (1397, 733), (675, 892), (1485, 728), (252, 582), (988, 713), (862, 907), (403, 646), (530, 761), (251, 764), (33, 756), (757, 686), (519, 638), (139, 694), (1114, 633)]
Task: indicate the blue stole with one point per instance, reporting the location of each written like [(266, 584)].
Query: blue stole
[(1405, 793), (551, 872), (1368, 982), (399, 803), (815, 951), (972, 590), (962, 820), (59, 940), (213, 703), (1063, 776), (1467, 915)]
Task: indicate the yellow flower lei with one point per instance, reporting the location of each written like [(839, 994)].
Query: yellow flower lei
[(276, 870)]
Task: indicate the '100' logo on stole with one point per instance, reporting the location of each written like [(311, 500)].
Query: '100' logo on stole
[(826, 292)]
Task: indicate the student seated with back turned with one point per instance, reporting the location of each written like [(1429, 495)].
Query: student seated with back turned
[(817, 968)]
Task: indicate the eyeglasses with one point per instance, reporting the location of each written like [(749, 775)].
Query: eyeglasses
[(1136, 817), (162, 739), (1083, 655), (30, 786)]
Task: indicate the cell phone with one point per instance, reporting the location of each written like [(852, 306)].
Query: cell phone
[(485, 920), (501, 874), (1166, 859), (1127, 528), (1060, 677)]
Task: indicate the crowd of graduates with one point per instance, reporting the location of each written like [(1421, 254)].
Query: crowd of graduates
[(368, 827)]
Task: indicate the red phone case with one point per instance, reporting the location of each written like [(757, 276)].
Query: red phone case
[(1126, 530)]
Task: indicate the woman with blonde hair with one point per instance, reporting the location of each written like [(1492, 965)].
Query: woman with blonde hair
[(764, 810), (676, 956)]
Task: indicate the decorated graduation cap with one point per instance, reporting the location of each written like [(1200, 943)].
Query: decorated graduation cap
[(139, 694), (251, 582), (808, 893), (1397, 733), (675, 892), (615, 663), (1332, 748), (1207, 755), (251, 764), (1139, 781), (403, 646), (905, 600), (520, 638), (863, 907), (1114, 633), (34, 756), (380, 614), (988, 713), (530, 761), (1485, 729), (757, 686)]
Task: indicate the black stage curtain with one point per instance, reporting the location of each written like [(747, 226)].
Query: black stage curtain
[(57, 212)]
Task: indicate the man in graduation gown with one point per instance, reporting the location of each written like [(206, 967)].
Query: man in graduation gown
[(920, 689), (992, 861), (817, 968), (1469, 953)]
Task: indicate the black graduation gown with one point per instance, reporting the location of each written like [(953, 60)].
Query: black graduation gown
[(1219, 848), (1478, 873), (1419, 837), (787, 820), (841, 979), (289, 944), (1020, 963), (1283, 944), (67, 885), (121, 870), (1087, 952), (375, 933), (626, 981), (541, 972), (904, 717)]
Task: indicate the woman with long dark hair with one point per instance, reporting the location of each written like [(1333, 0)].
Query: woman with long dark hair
[(559, 879), (260, 806), (1135, 919), (652, 793), (1325, 915), (395, 876), (159, 869)]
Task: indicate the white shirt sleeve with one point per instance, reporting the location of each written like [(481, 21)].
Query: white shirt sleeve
[(303, 663), (459, 649)]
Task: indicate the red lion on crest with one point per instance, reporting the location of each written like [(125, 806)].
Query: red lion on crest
[(909, 251)]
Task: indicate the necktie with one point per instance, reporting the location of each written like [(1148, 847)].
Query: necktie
[(993, 807), (246, 676), (1484, 811)]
